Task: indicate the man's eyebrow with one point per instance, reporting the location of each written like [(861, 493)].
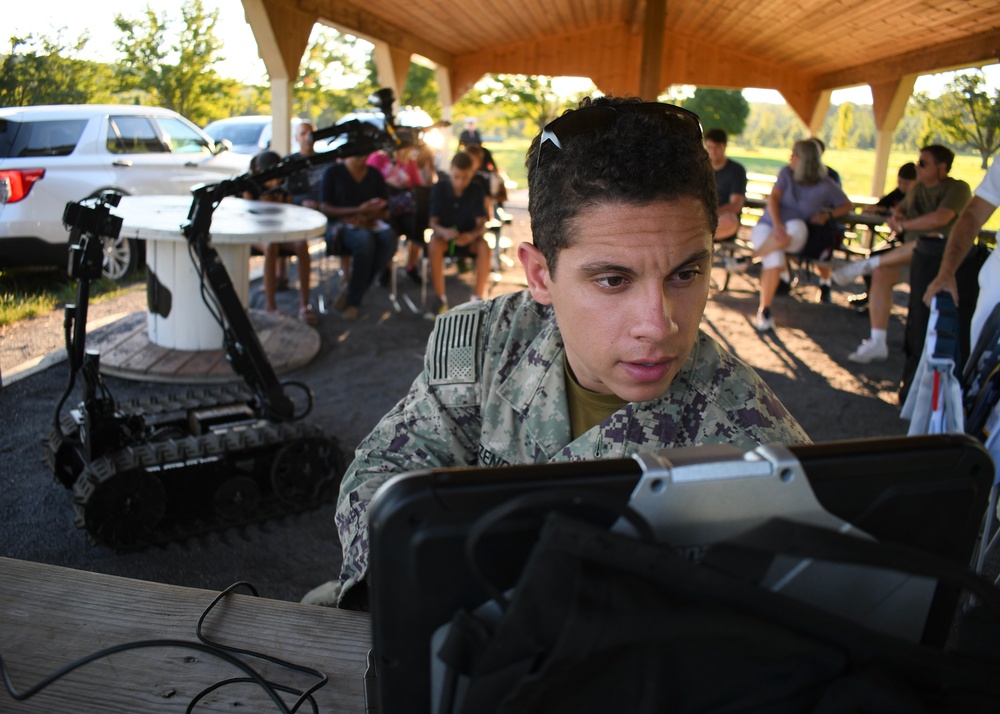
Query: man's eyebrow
[(605, 267), (698, 257), (608, 267)]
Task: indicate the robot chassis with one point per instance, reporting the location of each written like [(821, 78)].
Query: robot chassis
[(167, 468)]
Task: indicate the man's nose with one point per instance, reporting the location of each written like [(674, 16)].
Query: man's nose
[(653, 315)]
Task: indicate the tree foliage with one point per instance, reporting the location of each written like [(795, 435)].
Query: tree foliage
[(515, 97), (725, 109), (45, 70), (332, 79), (966, 114), (421, 90), (178, 75)]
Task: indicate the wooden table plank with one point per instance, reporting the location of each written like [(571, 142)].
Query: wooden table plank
[(51, 616)]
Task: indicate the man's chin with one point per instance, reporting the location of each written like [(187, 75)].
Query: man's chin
[(642, 392)]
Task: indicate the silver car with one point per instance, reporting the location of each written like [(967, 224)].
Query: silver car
[(249, 134), (51, 155)]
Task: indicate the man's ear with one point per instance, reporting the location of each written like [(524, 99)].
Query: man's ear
[(536, 271)]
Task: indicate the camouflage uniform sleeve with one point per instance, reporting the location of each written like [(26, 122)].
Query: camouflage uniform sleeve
[(437, 424)]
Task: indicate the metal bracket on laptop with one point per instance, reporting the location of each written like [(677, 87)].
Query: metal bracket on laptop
[(703, 494), (693, 497)]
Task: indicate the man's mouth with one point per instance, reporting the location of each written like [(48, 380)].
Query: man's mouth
[(647, 371)]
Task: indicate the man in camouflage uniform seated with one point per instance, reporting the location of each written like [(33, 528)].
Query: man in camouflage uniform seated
[(602, 356)]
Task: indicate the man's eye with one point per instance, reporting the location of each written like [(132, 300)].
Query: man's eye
[(686, 276), (611, 281)]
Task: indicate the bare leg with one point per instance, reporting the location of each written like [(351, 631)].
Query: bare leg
[(305, 272), (729, 224), (484, 261), (415, 250), (435, 253), (270, 276), (880, 296), (769, 278)]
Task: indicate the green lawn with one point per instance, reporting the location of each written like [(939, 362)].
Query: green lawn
[(30, 293), (854, 165)]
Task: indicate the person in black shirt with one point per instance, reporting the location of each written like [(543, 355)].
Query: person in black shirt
[(355, 197), (905, 177), (731, 179), (458, 219)]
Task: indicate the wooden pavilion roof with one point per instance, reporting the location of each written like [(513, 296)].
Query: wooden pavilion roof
[(799, 47), (802, 48)]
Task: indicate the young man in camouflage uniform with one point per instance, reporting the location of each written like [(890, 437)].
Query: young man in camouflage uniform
[(602, 356)]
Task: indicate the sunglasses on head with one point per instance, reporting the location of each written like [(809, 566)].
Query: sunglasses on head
[(592, 119)]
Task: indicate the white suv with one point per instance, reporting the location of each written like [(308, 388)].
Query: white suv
[(51, 155)]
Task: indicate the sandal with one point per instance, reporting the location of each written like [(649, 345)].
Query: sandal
[(307, 315)]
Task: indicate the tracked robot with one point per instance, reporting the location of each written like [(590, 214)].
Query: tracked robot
[(166, 468)]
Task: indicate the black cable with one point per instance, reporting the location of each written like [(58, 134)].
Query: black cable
[(309, 398), (243, 680), (207, 297), (143, 644), (225, 652), (302, 669)]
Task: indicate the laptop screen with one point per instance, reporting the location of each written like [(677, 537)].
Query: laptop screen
[(927, 492)]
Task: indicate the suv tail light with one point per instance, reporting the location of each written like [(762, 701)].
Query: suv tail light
[(20, 182)]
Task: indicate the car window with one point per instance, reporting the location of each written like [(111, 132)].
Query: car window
[(182, 138), (39, 138), (239, 134), (134, 135)]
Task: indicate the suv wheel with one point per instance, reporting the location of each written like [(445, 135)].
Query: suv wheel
[(121, 257)]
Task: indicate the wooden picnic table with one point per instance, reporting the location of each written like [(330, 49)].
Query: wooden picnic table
[(51, 616)]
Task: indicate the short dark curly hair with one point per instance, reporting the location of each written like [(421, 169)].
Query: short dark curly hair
[(638, 159)]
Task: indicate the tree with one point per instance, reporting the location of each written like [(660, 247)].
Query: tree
[(421, 90), (177, 76), (45, 70), (334, 77), (516, 97), (966, 114), (842, 135), (725, 109)]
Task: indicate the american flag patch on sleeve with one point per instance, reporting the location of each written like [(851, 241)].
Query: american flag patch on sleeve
[(453, 356)]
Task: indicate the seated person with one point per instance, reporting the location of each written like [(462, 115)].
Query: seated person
[(458, 221), (905, 177), (731, 178), (356, 195), (482, 163), (602, 356), (273, 190), (804, 199), (403, 176), (930, 208), (830, 171)]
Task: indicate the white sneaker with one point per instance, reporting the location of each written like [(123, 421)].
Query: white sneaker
[(847, 274), (736, 265), (764, 320), (870, 351)]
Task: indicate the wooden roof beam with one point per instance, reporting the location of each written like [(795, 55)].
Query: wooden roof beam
[(282, 37), (350, 19), (651, 63), (392, 63)]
